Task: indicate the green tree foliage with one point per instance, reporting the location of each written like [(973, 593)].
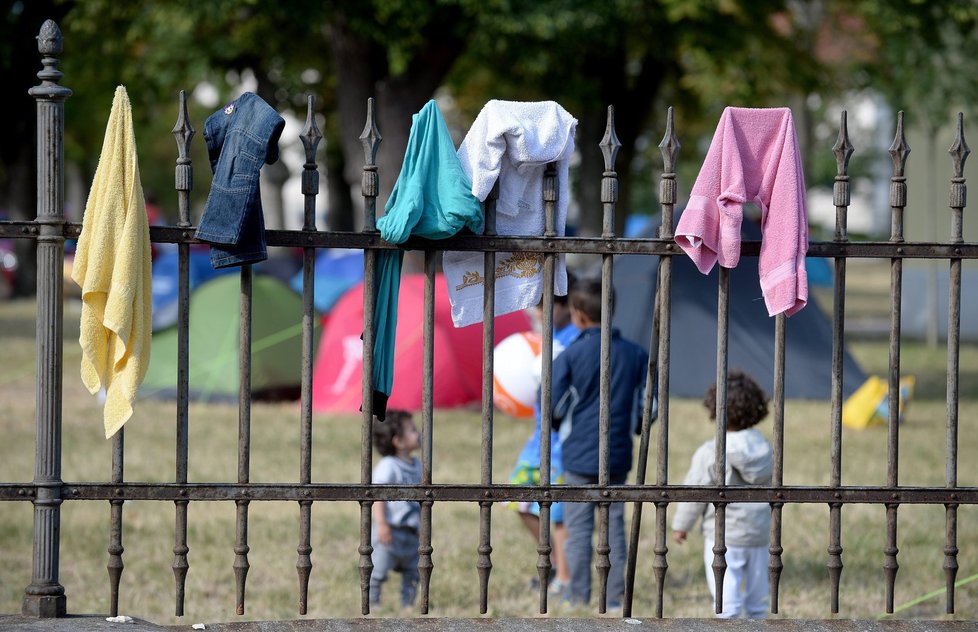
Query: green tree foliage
[(921, 55), (640, 57), (398, 51), (637, 55), (157, 48)]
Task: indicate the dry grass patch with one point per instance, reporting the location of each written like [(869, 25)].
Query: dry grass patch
[(272, 588)]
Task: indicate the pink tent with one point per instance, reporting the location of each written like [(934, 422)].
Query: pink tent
[(338, 371)]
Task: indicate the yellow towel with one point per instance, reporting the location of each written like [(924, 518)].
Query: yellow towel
[(113, 267)]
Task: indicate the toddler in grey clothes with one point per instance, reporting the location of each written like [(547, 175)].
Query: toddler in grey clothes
[(747, 526), (395, 522)]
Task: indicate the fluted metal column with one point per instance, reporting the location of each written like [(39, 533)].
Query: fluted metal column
[(45, 596)]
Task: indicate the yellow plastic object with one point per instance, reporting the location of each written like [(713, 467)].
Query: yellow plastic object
[(869, 405)]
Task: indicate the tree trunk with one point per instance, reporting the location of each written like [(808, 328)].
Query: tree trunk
[(354, 61), (340, 206), (590, 127), (633, 98), (362, 72)]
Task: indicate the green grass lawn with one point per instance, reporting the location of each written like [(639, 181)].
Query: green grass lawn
[(147, 584)]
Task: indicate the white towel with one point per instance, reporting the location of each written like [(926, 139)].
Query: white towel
[(512, 142)]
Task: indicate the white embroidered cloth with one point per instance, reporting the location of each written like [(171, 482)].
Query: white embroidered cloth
[(512, 142)]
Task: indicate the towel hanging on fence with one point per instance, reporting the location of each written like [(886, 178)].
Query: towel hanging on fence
[(113, 267), (512, 142), (430, 199), (754, 157)]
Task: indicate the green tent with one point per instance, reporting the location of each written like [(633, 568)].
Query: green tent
[(276, 346)]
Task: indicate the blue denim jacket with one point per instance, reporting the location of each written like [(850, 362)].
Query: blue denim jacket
[(240, 138)]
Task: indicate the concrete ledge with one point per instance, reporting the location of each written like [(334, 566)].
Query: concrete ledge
[(95, 623), (74, 623)]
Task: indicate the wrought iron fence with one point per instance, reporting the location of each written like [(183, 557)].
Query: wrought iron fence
[(45, 596)]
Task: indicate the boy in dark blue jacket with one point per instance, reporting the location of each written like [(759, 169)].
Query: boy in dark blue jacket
[(576, 397)]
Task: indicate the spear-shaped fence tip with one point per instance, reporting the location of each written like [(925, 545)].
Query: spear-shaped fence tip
[(843, 148), (669, 147), (959, 148), (899, 150), (609, 143), (310, 134), (370, 138), (183, 131)]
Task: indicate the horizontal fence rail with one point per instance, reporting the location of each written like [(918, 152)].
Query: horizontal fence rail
[(45, 597), (577, 245), (500, 493)]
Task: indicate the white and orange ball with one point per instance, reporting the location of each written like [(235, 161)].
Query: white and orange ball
[(516, 373)]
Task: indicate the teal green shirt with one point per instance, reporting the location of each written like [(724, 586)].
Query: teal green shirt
[(432, 198)]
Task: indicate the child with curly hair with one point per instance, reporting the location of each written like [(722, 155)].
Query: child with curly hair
[(396, 522), (749, 462)]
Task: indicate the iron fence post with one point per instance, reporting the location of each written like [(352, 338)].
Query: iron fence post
[(45, 596)]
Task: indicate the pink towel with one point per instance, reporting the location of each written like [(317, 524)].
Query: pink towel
[(753, 158)]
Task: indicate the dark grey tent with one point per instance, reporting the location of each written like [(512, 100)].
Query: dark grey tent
[(808, 348)]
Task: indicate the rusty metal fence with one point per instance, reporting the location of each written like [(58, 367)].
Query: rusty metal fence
[(45, 596)]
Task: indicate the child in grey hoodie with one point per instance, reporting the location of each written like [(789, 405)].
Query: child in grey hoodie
[(749, 462)]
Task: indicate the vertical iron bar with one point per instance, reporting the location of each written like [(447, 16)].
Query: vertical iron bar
[(841, 196), (898, 200), (609, 196), (484, 563), (425, 563), (310, 137), (241, 547), (545, 546), (183, 133), (640, 470), (603, 561), (775, 565), (303, 564), (720, 449), (658, 563), (958, 200), (115, 565), (669, 148), (370, 186), (45, 596)]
